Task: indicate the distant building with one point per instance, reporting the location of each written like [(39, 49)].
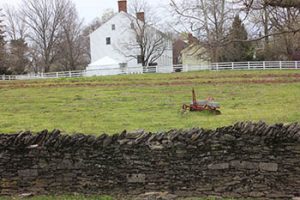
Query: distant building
[(109, 42), (195, 54)]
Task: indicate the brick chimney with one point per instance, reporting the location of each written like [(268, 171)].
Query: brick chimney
[(191, 39), (122, 5), (140, 16)]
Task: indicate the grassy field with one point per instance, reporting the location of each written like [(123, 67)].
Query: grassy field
[(151, 102)]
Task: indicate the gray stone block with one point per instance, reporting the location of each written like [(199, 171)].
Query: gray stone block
[(218, 166), (136, 178), (271, 167), (243, 164), (28, 173)]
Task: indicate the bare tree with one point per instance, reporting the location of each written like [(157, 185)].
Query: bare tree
[(44, 19), (16, 28), (275, 23), (284, 3), (209, 20), (275, 3), (268, 20), (284, 20), (270, 7), (72, 46), (149, 43), (35, 60)]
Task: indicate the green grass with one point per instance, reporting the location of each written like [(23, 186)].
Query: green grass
[(151, 102)]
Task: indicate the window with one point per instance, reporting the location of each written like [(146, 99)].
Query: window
[(108, 41), (139, 59), (113, 27), (123, 65)]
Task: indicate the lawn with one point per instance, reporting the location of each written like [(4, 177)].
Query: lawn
[(151, 101)]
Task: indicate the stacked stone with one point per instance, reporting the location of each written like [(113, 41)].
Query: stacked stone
[(243, 160)]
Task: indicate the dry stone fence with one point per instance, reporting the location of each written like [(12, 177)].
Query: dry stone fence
[(244, 160)]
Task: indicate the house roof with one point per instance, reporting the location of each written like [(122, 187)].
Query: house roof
[(130, 17)]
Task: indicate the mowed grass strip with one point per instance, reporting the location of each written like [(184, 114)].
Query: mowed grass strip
[(151, 101)]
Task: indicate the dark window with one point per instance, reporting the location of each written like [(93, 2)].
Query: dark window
[(139, 59), (113, 27), (152, 64), (108, 41), (123, 65)]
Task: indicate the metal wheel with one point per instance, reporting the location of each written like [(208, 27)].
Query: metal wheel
[(216, 112)]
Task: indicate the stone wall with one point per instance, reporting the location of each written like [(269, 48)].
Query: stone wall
[(243, 160)]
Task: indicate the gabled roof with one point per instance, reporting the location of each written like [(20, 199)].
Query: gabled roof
[(130, 17), (115, 15)]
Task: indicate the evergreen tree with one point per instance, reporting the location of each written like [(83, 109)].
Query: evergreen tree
[(237, 49), (18, 59)]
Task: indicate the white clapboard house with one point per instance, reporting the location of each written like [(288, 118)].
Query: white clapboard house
[(115, 50)]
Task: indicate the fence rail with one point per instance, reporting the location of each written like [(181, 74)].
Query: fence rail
[(257, 65)]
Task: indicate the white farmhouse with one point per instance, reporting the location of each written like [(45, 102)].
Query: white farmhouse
[(118, 41)]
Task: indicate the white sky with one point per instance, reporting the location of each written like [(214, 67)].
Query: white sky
[(90, 9)]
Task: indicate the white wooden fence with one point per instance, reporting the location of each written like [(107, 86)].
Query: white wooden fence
[(257, 65)]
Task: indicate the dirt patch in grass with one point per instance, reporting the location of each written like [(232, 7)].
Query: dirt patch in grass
[(180, 82), (154, 80), (294, 75)]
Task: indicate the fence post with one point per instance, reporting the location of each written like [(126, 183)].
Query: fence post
[(280, 65), (232, 65), (3, 77), (70, 74), (249, 65), (56, 74), (217, 65), (297, 64), (187, 67), (264, 65), (42, 74)]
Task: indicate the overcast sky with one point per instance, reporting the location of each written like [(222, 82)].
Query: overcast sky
[(90, 9)]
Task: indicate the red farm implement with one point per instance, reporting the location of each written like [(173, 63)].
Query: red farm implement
[(204, 105)]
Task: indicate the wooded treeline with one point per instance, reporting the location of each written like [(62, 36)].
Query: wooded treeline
[(44, 36), (48, 35), (240, 30)]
